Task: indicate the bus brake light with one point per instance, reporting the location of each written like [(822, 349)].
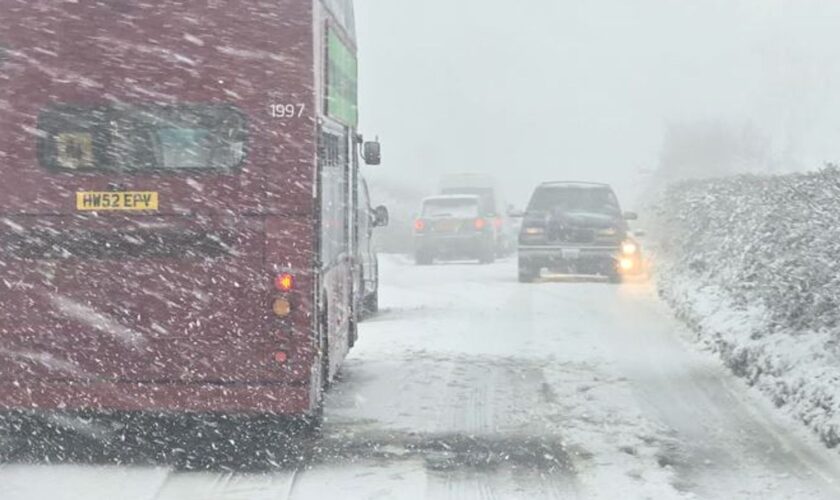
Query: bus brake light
[(285, 282)]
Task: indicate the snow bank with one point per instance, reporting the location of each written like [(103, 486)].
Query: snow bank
[(752, 263)]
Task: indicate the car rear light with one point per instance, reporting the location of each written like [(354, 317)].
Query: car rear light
[(498, 222), (419, 225), (285, 282), (480, 224)]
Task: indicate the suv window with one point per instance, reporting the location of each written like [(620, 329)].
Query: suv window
[(574, 199), (121, 137)]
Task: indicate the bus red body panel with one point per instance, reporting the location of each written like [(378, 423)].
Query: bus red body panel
[(161, 298)]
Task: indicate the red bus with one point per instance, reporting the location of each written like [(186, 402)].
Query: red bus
[(176, 204)]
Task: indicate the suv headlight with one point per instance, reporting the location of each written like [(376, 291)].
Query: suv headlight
[(629, 248)]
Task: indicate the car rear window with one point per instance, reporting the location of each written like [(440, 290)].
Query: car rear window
[(122, 137), (451, 208), (574, 199), (485, 195)]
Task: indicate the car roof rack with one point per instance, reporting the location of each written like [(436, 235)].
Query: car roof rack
[(452, 197), (575, 183)]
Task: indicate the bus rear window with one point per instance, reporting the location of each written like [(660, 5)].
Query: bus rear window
[(126, 138)]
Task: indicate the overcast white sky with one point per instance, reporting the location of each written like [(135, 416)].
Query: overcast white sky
[(583, 89)]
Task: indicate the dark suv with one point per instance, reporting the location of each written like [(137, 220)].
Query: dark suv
[(453, 227), (577, 228)]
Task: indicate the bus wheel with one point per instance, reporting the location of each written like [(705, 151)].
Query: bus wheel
[(353, 333), (324, 346), (277, 440), (371, 303), (310, 424)]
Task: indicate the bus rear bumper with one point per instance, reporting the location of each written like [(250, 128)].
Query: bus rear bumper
[(274, 399)]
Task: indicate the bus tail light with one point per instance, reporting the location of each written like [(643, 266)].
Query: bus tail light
[(285, 282), (281, 307)]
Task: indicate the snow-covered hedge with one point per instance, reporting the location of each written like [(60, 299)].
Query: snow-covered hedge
[(752, 263)]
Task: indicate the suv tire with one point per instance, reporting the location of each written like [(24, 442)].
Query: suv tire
[(527, 274), (423, 258), (488, 255)]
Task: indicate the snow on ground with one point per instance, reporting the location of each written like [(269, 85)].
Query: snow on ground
[(472, 385), (465, 349)]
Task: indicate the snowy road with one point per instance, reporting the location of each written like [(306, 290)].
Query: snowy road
[(471, 385)]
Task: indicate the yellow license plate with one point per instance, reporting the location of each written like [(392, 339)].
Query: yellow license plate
[(120, 200)]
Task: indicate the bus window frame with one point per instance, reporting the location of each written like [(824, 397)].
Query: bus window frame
[(329, 253), (44, 149)]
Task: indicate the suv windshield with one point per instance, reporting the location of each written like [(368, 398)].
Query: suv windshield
[(574, 199), (458, 207), (121, 137)]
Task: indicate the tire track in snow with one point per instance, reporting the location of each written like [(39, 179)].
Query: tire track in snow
[(501, 484), (560, 486), (229, 485), (222, 481), (290, 489), (484, 490), (157, 494), (475, 413), (458, 487)]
